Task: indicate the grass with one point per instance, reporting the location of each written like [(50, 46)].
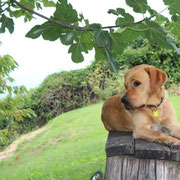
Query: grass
[(176, 104), (72, 148)]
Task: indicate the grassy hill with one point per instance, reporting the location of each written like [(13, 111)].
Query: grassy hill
[(71, 148)]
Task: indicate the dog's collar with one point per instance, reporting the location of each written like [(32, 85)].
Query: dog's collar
[(153, 106)]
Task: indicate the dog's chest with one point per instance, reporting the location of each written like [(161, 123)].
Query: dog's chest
[(155, 126)]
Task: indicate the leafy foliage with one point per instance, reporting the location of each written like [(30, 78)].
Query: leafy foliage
[(107, 43), (143, 53), (65, 91), (7, 65), (12, 115), (65, 12), (6, 23)]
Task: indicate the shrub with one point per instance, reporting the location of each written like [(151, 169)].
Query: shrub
[(65, 91), (142, 53), (13, 118)]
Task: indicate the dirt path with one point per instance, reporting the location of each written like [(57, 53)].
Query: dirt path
[(8, 152)]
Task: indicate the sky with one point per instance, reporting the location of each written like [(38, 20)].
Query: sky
[(39, 58)]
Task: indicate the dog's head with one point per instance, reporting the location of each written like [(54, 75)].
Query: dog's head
[(143, 84)]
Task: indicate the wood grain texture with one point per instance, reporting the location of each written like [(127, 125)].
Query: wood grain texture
[(122, 143), (129, 159), (126, 167)]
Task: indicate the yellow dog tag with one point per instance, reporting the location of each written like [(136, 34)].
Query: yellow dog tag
[(156, 113)]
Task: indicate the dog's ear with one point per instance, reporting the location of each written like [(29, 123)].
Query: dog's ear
[(127, 73), (157, 78)]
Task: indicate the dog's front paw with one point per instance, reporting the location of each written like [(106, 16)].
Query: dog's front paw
[(175, 142)]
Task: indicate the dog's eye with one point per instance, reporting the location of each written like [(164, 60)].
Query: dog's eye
[(136, 83)]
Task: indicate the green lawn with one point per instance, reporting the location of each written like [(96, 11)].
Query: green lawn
[(72, 148), (176, 104)]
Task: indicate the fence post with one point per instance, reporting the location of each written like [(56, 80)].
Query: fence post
[(129, 159)]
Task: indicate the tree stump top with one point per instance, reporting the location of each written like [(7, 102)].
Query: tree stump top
[(123, 143)]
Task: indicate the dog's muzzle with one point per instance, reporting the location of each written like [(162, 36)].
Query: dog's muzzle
[(125, 101)]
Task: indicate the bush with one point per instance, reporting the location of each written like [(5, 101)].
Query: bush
[(13, 118), (65, 91), (167, 60)]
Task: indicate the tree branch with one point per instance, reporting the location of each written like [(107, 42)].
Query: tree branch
[(51, 20), (75, 27), (3, 10)]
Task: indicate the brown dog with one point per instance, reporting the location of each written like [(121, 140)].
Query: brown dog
[(144, 108)]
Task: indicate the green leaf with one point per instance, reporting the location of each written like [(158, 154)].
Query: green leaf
[(95, 26), (112, 63), (76, 50), (87, 40), (48, 30), (127, 18), (123, 21), (174, 6), (173, 46), (35, 32), (67, 38), (87, 37), (27, 3), (139, 6), (6, 22), (16, 13), (100, 53), (65, 13), (103, 39), (113, 11), (160, 19), (38, 6), (48, 3), (155, 34), (174, 26), (129, 35), (117, 43)]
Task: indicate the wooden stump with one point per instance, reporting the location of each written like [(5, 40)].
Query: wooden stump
[(129, 159)]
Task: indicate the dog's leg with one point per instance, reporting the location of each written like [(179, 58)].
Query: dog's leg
[(142, 129), (174, 128)]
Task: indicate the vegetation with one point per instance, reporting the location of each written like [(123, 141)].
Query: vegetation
[(65, 91), (7, 65), (12, 118), (140, 52), (65, 23), (59, 92), (21, 111), (12, 112), (72, 147)]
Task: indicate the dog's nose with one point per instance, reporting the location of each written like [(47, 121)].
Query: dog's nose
[(124, 99)]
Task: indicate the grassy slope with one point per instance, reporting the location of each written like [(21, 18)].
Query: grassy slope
[(71, 148)]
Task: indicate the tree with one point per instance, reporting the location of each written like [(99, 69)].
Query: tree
[(107, 42), (7, 65), (12, 112)]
